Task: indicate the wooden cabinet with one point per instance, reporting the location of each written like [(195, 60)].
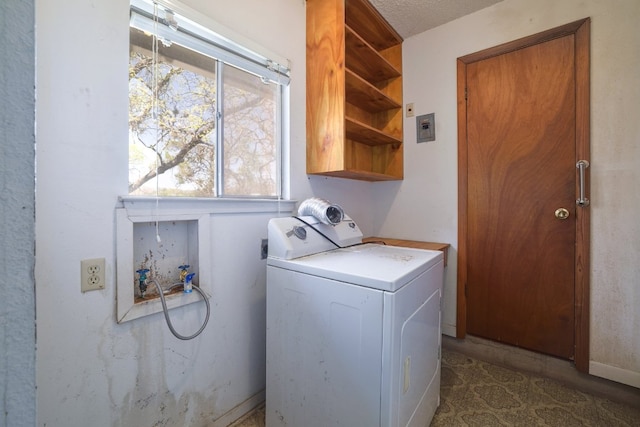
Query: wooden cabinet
[(354, 92)]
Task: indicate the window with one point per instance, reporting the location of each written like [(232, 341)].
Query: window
[(205, 114)]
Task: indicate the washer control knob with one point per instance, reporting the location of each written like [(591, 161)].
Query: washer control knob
[(300, 232)]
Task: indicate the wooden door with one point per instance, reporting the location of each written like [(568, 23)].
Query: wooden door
[(520, 146)]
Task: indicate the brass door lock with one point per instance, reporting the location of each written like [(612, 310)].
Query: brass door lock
[(562, 213)]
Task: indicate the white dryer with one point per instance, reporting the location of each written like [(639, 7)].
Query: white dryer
[(353, 330)]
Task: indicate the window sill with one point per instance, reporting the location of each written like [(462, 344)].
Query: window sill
[(146, 206)]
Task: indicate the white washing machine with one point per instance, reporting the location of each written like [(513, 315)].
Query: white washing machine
[(353, 330)]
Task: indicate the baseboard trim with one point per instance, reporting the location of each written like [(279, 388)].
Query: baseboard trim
[(623, 376), (240, 410), (449, 330)]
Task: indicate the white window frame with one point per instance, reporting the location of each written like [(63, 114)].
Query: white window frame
[(202, 34)]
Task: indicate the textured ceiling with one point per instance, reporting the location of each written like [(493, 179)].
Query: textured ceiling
[(410, 17)]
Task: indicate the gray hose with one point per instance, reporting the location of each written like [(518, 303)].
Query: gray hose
[(324, 211), (166, 312)]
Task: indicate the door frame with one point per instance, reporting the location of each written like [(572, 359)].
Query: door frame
[(581, 31)]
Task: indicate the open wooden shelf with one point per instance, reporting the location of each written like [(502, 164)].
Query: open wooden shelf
[(365, 61), (361, 175), (365, 20), (368, 135), (354, 92), (366, 96)]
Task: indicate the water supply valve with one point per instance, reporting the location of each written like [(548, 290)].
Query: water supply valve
[(188, 285), (183, 272), (142, 280)]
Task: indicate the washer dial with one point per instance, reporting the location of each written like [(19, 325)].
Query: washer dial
[(300, 232)]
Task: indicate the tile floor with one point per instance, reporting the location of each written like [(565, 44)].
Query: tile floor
[(475, 392)]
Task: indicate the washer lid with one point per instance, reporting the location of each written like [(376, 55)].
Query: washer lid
[(383, 267)]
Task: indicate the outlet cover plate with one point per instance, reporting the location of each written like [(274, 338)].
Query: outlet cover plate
[(410, 110), (92, 274)]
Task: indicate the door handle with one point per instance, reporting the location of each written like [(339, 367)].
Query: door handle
[(562, 213), (583, 202)]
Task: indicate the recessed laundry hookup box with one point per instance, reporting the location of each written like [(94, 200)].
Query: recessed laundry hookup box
[(158, 243)]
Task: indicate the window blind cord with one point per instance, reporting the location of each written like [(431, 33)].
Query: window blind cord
[(154, 108)]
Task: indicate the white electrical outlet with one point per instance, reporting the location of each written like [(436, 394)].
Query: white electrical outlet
[(92, 274)]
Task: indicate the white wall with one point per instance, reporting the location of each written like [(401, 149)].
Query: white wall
[(424, 205), (17, 206), (90, 370)]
